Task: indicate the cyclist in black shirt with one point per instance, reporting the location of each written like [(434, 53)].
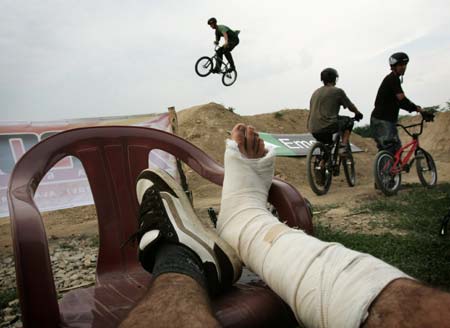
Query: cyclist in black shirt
[(390, 98)]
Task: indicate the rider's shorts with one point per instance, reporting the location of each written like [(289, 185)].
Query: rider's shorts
[(385, 134), (326, 135), (231, 45)]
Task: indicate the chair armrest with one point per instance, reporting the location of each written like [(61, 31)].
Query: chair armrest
[(290, 205), (35, 284)]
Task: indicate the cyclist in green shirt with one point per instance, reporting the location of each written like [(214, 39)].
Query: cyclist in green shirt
[(231, 40)]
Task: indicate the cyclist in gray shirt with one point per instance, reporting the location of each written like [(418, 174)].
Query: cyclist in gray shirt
[(325, 103)]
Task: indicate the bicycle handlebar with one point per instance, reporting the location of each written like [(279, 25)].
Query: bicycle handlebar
[(427, 117)]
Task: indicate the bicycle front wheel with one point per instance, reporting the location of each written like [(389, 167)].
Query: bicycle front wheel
[(426, 169), (204, 66), (318, 174), (388, 182), (228, 78), (349, 169)]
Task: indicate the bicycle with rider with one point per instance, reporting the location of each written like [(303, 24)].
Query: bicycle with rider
[(231, 41), (325, 103), (390, 98)]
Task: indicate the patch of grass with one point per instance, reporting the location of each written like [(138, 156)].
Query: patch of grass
[(66, 245), (94, 241), (418, 210), (323, 208), (278, 115), (7, 296), (421, 252)]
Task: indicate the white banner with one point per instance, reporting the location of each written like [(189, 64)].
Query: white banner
[(66, 185)]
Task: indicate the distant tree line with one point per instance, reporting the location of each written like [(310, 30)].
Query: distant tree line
[(366, 132)]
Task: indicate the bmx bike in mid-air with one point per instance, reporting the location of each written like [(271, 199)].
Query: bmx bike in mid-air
[(205, 66)]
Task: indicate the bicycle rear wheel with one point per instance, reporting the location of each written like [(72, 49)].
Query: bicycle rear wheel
[(426, 169), (349, 169), (387, 182), (203, 66), (228, 78), (318, 174)]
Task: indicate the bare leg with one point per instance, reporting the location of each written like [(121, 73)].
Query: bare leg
[(173, 300), (345, 137), (407, 303), (324, 283)]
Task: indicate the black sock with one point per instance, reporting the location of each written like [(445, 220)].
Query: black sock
[(176, 258)]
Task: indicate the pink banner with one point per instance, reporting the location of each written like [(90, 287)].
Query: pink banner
[(66, 185)]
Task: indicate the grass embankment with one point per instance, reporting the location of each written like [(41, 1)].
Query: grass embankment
[(418, 250)]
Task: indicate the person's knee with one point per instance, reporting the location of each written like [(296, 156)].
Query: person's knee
[(348, 124)]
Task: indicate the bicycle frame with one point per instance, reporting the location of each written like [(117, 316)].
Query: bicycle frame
[(215, 57), (223, 64), (412, 146), (332, 153)]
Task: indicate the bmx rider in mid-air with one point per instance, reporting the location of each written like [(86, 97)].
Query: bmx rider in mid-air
[(231, 40)]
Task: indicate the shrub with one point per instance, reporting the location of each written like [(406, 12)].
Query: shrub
[(278, 115)]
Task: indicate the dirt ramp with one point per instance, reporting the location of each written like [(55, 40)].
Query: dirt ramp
[(206, 127)]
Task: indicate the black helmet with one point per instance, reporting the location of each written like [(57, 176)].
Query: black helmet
[(398, 58), (212, 20), (329, 75)]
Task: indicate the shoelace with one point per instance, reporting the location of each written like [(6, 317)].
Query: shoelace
[(151, 205)]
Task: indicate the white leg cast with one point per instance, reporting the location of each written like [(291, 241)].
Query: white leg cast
[(325, 284)]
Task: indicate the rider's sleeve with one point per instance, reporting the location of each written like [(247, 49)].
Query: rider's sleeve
[(218, 35), (222, 29), (346, 102), (395, 85), (407, 104)]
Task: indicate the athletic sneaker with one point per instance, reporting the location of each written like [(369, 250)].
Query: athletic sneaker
[(166, 214)]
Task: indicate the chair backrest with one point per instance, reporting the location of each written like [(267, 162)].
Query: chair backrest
[(112, 157)]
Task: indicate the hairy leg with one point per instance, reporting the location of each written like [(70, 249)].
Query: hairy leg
[(407, 303), (173, 300), (346, 137)]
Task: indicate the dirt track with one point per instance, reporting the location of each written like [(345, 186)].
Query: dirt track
[(206, 126)]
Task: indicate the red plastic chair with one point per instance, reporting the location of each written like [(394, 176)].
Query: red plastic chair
[(112, 157)]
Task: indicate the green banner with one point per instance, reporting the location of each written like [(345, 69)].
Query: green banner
[(293, 144)]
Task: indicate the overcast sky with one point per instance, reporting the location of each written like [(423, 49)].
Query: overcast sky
[(85, 58)]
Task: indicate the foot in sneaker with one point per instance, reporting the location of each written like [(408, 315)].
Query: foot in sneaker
[(166, 215)]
